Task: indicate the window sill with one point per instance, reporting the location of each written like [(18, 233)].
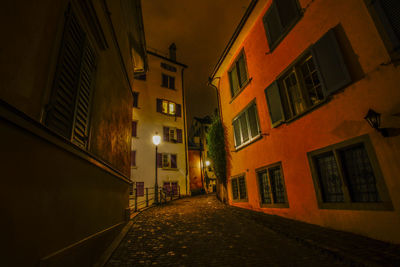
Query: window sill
[(276, 205), (304, 113), (241, 89), (240, 200), (255, 139), (170, 169), (357, 206)]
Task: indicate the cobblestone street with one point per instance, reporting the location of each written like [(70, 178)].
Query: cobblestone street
[(201, 231)]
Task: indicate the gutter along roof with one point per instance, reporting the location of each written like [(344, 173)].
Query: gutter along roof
[(234, 37)]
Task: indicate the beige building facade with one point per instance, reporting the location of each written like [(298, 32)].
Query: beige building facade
[(159, 109)]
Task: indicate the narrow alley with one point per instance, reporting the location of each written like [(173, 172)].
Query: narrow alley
[(201, 231)]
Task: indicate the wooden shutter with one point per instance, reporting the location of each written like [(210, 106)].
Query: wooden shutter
[(272, 24), (166, 134), (234, 81), (134, 128), (179, 135), (328, 58), (133, 158), (174, 163), (159, 160), (171, 82), (253, 121), (135, 99), (61, 108), (164, 80), (140, 189), (159, 105), (274, 104), (242, 70), (236, 132), (288, 12), (389, 14), (178, 110)]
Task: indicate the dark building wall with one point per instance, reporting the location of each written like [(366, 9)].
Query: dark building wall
[(63, 204)]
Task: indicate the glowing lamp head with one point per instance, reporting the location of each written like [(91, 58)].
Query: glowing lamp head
[(156, 139), (207, 163)]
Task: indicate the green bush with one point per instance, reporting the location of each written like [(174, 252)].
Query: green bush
[(216, 147)]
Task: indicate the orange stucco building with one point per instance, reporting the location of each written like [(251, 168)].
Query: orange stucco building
[(296, 82)]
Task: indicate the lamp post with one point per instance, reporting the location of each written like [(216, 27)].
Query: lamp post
[(156, 142), (374, 120)]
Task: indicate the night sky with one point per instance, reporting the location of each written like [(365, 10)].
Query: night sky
[(200, 30)]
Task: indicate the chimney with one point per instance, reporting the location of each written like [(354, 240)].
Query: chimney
[(172, 52)]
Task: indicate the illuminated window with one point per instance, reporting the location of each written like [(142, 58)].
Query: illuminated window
[(172, 134), (169, 107)]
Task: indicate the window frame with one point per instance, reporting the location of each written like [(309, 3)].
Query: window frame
[(285, 31), (271, 205), (136, 132), (169, 161), (170, 80), (235, 64), (135, 102), (251, 138), (385, 29), (384, 204), (239, 199)]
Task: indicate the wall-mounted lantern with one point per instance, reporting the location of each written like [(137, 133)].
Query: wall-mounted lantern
[(374, 120)]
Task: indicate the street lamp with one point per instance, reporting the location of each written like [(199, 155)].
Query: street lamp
[(207, 163), (374, 120), (156, 142)]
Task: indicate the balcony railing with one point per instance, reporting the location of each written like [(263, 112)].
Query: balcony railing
[(141, 200)]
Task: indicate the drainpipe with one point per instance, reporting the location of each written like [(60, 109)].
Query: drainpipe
[(210, 80), (185, 134)]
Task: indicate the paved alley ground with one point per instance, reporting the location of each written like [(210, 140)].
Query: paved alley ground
[(201, 231)]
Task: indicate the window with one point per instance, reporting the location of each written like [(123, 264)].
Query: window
[(141, 77), (139, 189), (279, 19), (135, 99), (313, 78), (134, 128), (167, 161), (168, 67), (238, 186), (167, 81), (245, 126), (386, 16), (69, 107), (238, 75), (169, 107), (347, 176), (172, 134), (272, 186), (133, 158)]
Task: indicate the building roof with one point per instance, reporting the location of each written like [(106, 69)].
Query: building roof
[(205, 120), (166, 58)]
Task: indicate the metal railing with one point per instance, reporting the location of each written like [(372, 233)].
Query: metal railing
[(138, 202)]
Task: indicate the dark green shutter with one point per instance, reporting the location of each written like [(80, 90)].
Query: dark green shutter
[(60, 113), (328, 57), (164, 80), (159, 160), (82, 109), (171, 82), (178, 110), (288, 12), (243, 127), (159, 105), (272, 24), (241, 66), (166, 134), (174, 163), (389, 14), (253, 121), (274, 104), (236, 130), (179, 135), (234, 81)]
